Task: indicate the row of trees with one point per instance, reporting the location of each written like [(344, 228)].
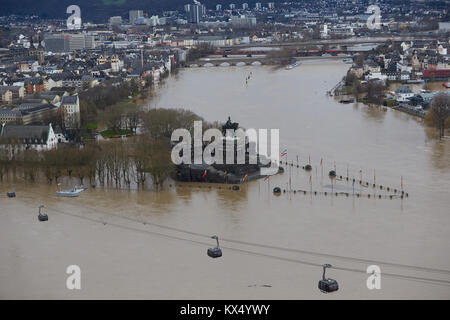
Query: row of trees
[(97, 101), (373, 88), (202, 50), (122, 115), (111, 163), (159, 123), (115, 162)]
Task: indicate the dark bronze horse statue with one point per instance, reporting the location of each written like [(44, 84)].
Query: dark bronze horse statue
[(230, 125)]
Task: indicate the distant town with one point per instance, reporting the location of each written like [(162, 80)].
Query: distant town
[(60, 77)]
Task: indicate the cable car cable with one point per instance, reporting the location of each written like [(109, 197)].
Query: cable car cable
[(360, 260), (325, 255), (392, 275)]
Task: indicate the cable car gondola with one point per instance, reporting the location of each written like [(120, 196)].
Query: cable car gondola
[(215, 252), (327, 285), (42, 216), (12, 193)]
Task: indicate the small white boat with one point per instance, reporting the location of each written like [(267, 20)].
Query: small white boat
[(293, 65), (75, 192), (68, 193), (80, 188)]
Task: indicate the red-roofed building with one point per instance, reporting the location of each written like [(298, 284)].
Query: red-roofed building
[(436, 74)]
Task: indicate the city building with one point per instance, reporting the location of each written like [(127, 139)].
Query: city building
[(154, 21), (34, 85), (134, 15), (403, 93), (6, 95), (68, 42), (115, 21), (242, 21), (324, 31), (71, 111), (8, 115), (89, 42), (141, 21), (37, 52), (18, 92), (194, 12), (28, 137), (115, 64), (56, 43), (34, 113), (76, 42)]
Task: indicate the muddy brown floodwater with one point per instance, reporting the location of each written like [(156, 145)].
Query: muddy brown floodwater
[(103, 231)]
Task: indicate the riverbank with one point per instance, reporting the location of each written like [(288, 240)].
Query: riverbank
[(388, 94)]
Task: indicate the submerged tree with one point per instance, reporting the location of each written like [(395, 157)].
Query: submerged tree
[(160, 164), (439, 114), (375, 90), (4, 163)]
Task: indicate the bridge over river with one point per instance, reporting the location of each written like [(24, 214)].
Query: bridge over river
[(232, 60)]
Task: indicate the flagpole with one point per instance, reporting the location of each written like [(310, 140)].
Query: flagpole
[(321, 165), (290, 185), (310, 184), (332, 186)]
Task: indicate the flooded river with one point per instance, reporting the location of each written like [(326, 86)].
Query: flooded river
[(145, 244)]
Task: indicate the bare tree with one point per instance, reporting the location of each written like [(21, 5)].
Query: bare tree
[(439, 114), (132, 116), (113, 118), (375, 90), (160, 163), (160, 123)]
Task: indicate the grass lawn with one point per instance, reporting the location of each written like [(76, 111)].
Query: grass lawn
[(114, 133), (90, 126), (127, 100), (390, 102)]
